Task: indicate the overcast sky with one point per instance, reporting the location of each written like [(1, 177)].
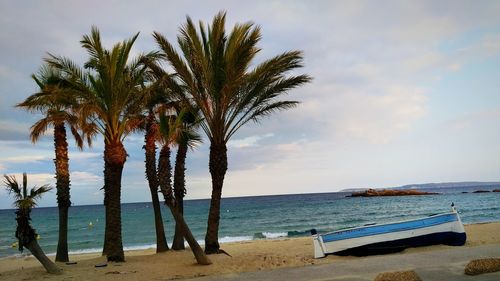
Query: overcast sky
[(403, 92)]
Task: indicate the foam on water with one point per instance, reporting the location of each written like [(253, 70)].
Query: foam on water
[(229, 239), (274, 235)]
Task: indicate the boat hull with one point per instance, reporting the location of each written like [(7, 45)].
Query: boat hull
[(392, 237), (387, 247)]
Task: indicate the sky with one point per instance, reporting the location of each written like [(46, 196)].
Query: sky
[(403, 92)]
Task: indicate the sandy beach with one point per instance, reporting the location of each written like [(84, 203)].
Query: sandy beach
[(251, 256)]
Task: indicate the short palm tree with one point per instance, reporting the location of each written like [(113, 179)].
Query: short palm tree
[(109, 96), (185, 138), (168, 126), (25, 201), (164, 102), (55, 103), (215, 72), (151, 135)]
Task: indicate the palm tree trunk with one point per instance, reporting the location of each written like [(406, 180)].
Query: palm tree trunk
[(114, 158), (218, 167), (164, 173), (62, 244), (42, 258), (198, 253), (179, 191), (151, 175), (106, 211), (62, 184), (161, 241)]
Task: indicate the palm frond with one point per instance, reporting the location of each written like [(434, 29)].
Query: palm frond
[(37, 192), (22, 198), (214, 74), (13, 187), (259, 113), (39, 128)]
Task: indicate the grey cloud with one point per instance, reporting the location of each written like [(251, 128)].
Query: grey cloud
[(11, 130)]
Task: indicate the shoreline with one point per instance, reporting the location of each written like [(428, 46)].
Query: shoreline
[(247, 256), (146, 247)]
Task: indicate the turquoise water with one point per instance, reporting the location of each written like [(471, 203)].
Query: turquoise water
[(249, 218)]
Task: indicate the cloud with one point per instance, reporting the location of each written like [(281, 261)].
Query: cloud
[(8, 73), (471, 120), (25, 159), (35, 179), (13, 130), (381, 116), (248, 141), (85, 178), (487, 47), (77, 178), (84, 155)]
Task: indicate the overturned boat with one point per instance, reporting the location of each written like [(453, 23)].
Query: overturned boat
[(373, 239)]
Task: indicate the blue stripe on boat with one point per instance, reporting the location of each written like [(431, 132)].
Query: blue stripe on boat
[(388, 228)]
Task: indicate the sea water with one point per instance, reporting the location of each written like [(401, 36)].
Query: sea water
[(249, 218)]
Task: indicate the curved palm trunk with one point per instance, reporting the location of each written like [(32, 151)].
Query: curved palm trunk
[(27, 238), (179, 191), (198, 253), (218, 167), (42, 258), (164, 173), (62, 184), (114, 159), (151, 175)]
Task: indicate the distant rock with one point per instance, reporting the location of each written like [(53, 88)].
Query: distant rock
[(496, 190), (389, 192), (465, 192), (480, 191), (441, 185)]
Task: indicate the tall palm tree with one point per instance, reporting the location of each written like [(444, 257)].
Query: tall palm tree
[(109, 95), (214, 70), (24, 202), (55, 103), (186, 137)]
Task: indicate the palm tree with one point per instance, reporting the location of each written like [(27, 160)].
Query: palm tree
[(168, 125), (187, 137), (109, 95), (166, 105), (214, 71), (24, 202), (150, 137), (55, 104)]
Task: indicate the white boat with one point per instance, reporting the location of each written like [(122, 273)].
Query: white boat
[(446, 228)]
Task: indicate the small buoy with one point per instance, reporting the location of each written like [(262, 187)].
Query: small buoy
[(227, 211), (14, 245), (38, 237), (91, 225), (96, 220)]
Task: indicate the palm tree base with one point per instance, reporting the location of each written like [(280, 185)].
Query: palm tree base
[(212, 249), (49, 266), (200, 257), (116, 258)]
